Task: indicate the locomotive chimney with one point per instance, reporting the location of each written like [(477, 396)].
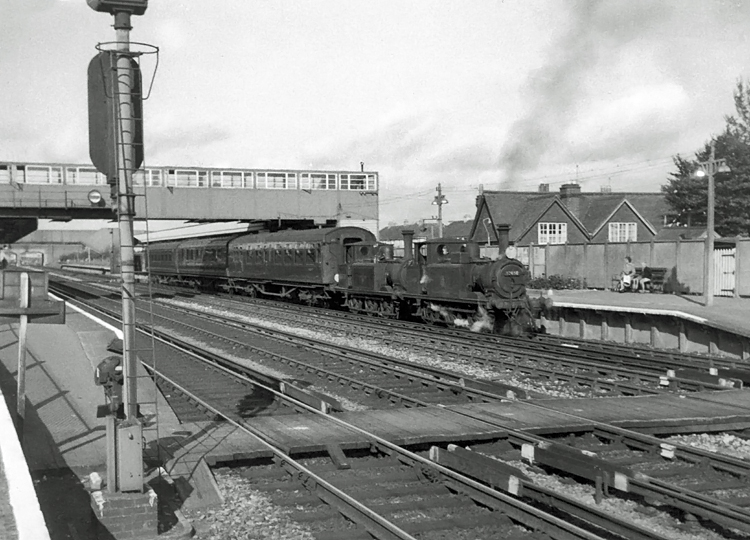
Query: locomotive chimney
[(503, 237), (408, 243)]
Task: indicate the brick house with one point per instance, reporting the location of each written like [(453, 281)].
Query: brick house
[(570, 216)]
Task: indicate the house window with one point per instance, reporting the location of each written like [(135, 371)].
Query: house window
[(553, 233), (623, 232)]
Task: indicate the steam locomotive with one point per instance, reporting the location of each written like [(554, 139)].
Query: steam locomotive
[(442, 281)]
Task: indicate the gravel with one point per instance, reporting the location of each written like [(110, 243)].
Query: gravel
[(650, 518), (721, 443), (246, 514), (254, 507), (553, 389)]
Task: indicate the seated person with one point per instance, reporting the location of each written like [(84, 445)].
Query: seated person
[(628, 274), (644, 280)]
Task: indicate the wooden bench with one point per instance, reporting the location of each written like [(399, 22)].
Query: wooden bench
[(657, 277)]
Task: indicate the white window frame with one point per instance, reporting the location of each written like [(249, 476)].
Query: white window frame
[(325, 181), (231, 179), (552, 233), (84, 176), (623, 232), (35, 174), (277, 180), (366, 181)]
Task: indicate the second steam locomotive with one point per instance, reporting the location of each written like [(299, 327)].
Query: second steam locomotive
[(442, 281)]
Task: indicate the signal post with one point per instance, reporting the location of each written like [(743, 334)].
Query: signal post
[(116, 149)]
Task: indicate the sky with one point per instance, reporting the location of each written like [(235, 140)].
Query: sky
[(468, 94)]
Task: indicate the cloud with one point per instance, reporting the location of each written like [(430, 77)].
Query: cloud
[(645, 121), (179, 139), (557, 91), (469, 158), (399, 141)]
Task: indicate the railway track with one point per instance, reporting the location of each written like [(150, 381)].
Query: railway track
[(433, 501), (591, 368), (374, 380), (571, 461), (584, 372)]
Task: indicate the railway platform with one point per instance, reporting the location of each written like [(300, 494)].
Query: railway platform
[(668, 321), (63, 438)]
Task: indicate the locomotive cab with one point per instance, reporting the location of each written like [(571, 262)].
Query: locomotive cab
[(448, 267), (363, 268), (448, 250)]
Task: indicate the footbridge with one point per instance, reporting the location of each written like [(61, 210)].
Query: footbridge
[(274, 198)]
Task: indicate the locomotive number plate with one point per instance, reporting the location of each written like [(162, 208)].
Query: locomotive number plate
[(513, 273)]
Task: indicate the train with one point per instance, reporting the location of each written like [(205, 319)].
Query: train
[(440, 281)]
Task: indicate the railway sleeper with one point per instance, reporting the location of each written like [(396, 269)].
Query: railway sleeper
[(606, 474)]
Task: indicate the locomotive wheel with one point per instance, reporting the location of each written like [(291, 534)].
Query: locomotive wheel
[(431, 316), (387, 309), (354, 305)]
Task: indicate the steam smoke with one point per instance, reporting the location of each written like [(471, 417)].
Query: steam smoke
[(483, 322), (557, 90)]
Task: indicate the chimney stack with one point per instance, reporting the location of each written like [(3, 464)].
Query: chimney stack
[(503, 237), (408, 243), (571, 197), (543, 188)]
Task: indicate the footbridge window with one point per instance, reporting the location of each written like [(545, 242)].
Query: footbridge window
[(359, 182), (317, 181), (277, 180)]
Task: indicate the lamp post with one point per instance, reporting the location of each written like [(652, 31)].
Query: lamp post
[(710, 168)]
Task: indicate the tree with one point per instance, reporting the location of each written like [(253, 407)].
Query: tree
[(688, 196)]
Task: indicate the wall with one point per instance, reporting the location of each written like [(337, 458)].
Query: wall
[(599, 263)]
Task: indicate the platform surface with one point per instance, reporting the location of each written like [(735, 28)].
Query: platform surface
[(62, 429), (732, 314)]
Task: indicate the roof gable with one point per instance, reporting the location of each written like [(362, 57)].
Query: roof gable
[(556, 202), (624, 202)]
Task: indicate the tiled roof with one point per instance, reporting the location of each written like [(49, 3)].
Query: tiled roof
[(521, 209), (682, 233), (455, 229)]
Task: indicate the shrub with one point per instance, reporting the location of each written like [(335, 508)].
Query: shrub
[(556, 282)]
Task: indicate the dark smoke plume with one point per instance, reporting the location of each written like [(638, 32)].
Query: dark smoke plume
[(556, 91)]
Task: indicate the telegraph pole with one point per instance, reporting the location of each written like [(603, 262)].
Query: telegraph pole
[(440, 200)]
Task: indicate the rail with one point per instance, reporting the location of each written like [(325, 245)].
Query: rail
[(87, 268)]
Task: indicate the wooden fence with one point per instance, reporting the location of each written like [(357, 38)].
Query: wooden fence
[(596, 264)]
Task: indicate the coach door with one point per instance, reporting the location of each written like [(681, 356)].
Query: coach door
[(724, 278)]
